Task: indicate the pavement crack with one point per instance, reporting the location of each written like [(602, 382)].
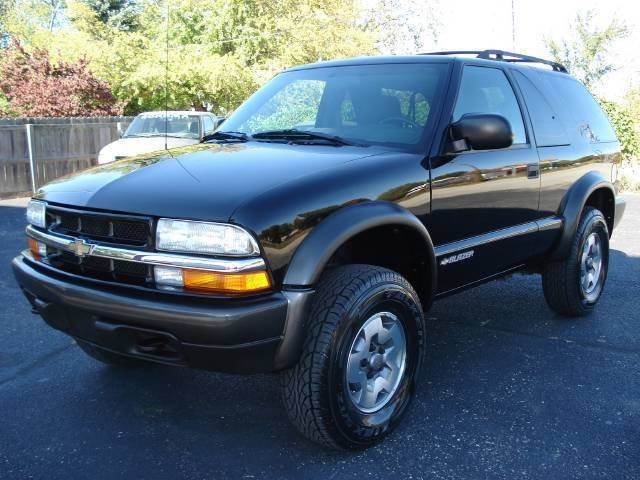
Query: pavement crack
[(36, 363)]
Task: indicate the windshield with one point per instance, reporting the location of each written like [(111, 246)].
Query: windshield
[(153, 125), (387, 105)]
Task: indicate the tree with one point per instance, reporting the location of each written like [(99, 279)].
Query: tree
[(35, 87), (623, 122), (587, 55), (401, 27), (6, 6), (119, 14), (219, 51), (632, 99)]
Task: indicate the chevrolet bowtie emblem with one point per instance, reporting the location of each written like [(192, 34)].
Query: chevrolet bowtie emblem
[(81, 248)]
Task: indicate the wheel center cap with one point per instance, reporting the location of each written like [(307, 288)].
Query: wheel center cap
[(377, 361)]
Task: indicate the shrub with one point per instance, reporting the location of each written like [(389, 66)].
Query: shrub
[(623, 123), (35, 87)]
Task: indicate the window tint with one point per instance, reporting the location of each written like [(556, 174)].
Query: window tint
[(547, 127), (295, 106), (207, 125), (386, 105), (405, 107), (487, 90), (589, 118)]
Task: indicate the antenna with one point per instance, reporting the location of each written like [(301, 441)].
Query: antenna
[(166, 83), (513, 24)]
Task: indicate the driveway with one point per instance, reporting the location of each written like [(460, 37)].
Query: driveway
[(509, 391)]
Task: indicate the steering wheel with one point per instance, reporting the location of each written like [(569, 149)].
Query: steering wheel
[(399, 120)]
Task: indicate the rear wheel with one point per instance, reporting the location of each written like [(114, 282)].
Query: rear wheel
[(107, 357), (573, 286), (364, 346)]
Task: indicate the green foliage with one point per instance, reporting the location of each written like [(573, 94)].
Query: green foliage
[(626, 128), (219, 50), (587, 55), (279, 112), (400, 30), (118, 14), (5, 107), (632, 99)]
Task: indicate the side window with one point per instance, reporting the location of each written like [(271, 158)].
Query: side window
[(590, 120), (547, 127), (487, 90), (207, 125)]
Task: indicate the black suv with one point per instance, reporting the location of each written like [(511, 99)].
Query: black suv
[(309, 235)]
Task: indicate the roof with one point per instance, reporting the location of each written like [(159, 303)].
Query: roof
[(486, 57)]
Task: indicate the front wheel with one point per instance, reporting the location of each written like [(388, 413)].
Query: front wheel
[(357, 372), (573, 286)]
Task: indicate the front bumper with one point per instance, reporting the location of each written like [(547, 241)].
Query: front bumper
[(235, 335)]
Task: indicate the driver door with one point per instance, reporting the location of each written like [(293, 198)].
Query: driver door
[(484, 203)]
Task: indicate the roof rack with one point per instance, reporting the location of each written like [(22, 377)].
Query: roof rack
[(503, 56)]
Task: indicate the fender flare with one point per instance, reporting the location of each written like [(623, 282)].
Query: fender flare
[(314, 253), (572, 205), (312, 256)]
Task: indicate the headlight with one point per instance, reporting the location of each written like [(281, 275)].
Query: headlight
[(36, 213), (205, 238)]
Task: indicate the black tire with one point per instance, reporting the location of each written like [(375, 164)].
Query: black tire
[(107, 357), (315, 391), (561, 281)]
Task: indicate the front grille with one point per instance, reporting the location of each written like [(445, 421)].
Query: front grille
[(100, 268), (105, 228)]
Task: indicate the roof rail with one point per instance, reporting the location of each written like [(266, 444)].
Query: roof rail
[(503, 56)]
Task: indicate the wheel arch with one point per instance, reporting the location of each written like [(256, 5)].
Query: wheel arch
[(326, 243), (592, 189), (351, 223)]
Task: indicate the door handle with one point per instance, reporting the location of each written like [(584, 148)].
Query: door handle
[(533, 170)]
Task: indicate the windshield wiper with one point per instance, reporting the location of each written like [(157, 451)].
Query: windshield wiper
[(296, 135), (228, 136)]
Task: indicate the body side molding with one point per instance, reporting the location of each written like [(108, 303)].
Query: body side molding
[(548, 223)]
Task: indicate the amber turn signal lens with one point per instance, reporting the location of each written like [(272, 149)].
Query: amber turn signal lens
[(229, 283), (33, 248)]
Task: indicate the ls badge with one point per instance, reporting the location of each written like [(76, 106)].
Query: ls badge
[(457, 258)]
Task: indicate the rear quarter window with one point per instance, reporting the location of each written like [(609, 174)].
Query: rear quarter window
[(547, 126), (580, 106)]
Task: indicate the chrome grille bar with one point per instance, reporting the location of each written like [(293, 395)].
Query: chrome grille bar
[(84, 248)]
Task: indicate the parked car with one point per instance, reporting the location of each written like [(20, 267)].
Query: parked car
[(152, 131), (310, 235)]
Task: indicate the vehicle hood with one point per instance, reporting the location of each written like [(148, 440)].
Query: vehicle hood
[(204, 181), (132, 146)]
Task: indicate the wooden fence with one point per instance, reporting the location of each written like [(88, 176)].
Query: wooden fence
[(53, 146)]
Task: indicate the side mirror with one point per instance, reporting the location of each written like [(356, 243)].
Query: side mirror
[(219, 121), (480, 131)]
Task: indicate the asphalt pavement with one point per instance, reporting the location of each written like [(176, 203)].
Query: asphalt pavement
[(510, 391)]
